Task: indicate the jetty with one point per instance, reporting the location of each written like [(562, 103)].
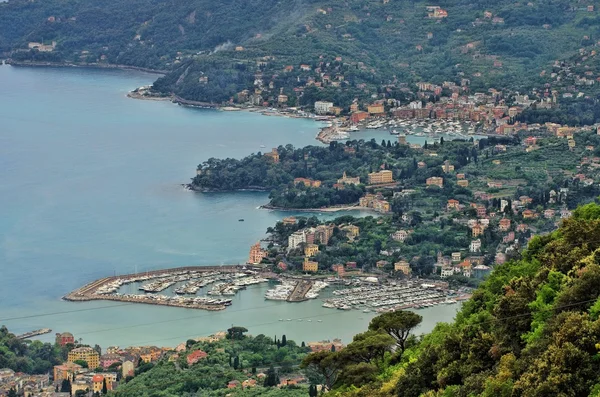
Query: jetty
[(233, 277), (299, 292), (37, 332)]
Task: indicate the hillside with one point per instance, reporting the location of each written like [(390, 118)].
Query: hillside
[(358, 48), (531, 329)]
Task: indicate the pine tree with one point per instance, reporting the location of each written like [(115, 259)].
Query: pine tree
[(236, 362), (333, 348), (303, 344), (104, 387), (283, 340)]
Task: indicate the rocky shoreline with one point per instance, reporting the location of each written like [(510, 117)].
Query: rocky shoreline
[(12, 62)]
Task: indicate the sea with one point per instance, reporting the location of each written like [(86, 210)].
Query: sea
[(90, 186)]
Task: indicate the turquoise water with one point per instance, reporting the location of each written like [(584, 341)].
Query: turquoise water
[(89, 187)]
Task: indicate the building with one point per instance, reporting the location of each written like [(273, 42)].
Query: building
[(289, 220), (453, 205), (462, 183), (358, 116), (127, 369), (402, 266), (504, 224), (456, 257), (400, 235), (322, 107), (311, 250), (310, 266), (273, 155), (384, 176), (323, 233), (375, 202), (257, 254), (475, 246), (106, 360), (447, 167), (376, 109), (477, 230), (381, 264), (196, 356), (447, 271), (64, 338), (326, 345), (98, 382), (66, 371), (307, 182), (351, 231), (346, 180), (435, 181), (87, 354), (339, 269), (295, 239)]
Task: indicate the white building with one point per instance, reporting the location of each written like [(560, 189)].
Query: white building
[(475, 246), (322, 107), (447, 272), (296, 239), (400, 235)]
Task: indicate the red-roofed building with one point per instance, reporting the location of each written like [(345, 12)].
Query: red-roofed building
[(196, 356)]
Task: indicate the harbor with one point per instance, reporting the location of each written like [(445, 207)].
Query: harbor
[(37, 332)]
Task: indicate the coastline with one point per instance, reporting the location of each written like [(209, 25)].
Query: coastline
[(84, 65), (322, 210)]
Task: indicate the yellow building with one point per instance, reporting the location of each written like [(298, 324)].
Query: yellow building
[(273, 155), (66, 371), (462, 182), (403, 267), (376, 109), (311, 250), (435, 181), (310, 266), (384, 176), (87, 354)]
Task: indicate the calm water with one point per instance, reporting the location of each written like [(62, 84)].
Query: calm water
[(89, 187)]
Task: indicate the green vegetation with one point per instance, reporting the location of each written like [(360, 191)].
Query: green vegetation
[(214, 50), (239, 357), (532, 328), (31, 357)]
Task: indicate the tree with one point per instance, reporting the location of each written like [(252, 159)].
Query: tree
[(83, 363), (367, 347), (312, 391), (104, 387), (326, 364), (12, 392), (283, 340), (65, 386), (236, 333), (397, 324), (272, 378), (236, 362)]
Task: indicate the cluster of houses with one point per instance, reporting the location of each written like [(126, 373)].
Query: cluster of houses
[(24, 384)]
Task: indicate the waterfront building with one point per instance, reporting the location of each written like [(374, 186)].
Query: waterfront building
[(311, 250), (376, 109), (273, 155), (402, 266), (66, 371), (358, 116), (339, 269), (310, 266), (345, 180), (323, 107), (435, 181), (384, 176), (64, 338), (295, 239), (87, 354), (257, 254)]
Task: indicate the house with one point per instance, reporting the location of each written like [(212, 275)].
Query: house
[(358, 116), (311, 250), (521, 228), (477, 230), (435, 181), (462, 183), (456, 256), (481, 271), (383, 176), (106, 360), (447, 272), (66, 371), (273, 155), (475, 246), (289, 220), (339, 269), (196, 356), (528, 214), (402, 266), (307, 182), (549, 213), (376, 109), (453, 205), (64, 338), (460, 176), (295, 239), (400, 235), (351, 231), (504, 224), (381, 264)]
